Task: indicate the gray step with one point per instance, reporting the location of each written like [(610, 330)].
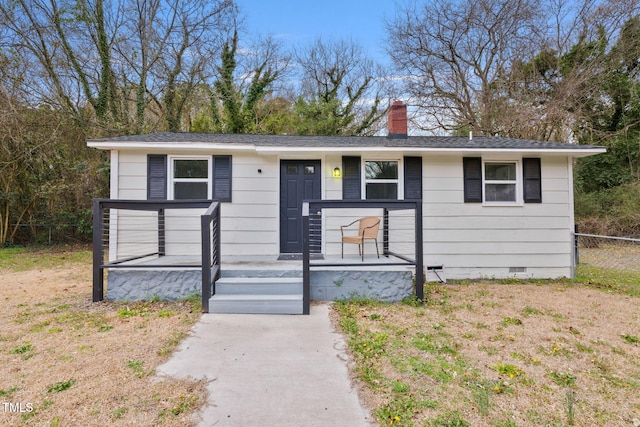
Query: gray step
[(261, 272), (259, 286), (256, 304)]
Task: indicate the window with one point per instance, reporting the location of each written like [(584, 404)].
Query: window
[(190, 178), (500, 182), (182, 177), (381, 179), (509, 182)]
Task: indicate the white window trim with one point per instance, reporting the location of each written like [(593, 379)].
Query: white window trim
[(518, 182), (171, 180), (364, 181)]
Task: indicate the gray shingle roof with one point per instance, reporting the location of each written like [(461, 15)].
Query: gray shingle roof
[(444, 142)]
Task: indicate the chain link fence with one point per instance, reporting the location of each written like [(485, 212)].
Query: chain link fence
[(618, 253)]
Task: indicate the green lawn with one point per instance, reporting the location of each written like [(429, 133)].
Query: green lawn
[(26, 258), (624, 281), (502, 353)]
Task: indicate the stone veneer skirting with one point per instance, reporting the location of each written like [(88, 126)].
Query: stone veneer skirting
[(326, 285)]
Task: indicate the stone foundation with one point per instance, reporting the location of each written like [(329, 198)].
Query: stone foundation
[(166, 285), (389, 286), (326, 285)]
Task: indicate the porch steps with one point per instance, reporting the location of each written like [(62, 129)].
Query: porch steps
[(257, 295)]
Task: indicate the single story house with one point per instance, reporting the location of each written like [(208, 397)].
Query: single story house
[(491, 207)]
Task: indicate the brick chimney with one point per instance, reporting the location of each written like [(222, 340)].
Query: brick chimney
[(397, 121)]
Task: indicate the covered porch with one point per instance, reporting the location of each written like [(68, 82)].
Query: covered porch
[(257, 282)]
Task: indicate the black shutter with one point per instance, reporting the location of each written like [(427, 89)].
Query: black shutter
[(221, 178), (413, 178), (351, 178), (472, 179), (156, 177), (532, 177)]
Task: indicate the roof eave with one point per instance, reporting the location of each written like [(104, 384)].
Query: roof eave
[(269, 149), (167, 146), (572, 152)]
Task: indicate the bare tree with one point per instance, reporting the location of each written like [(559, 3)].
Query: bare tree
[(517, 68), (29, 31), (126, 59), (69, 46), (453, 51), (26, 150), (167, 56), (342, 91)]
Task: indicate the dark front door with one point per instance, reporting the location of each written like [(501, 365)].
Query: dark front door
[(299, 180)]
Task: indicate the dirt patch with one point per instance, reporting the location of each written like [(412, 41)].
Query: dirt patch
[(67, 361), (500, 355)]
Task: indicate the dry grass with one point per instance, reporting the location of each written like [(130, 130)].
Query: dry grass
[(66, 361), (499, 355), (611, 254)]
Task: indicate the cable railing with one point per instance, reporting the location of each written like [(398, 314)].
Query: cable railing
[(400, 228), (150, 234)]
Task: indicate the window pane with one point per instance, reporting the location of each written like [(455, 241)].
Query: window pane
[(500, 171), (500, 192), (190, 169), (382, 191), (190, 190), (381, 170), (309, 170)]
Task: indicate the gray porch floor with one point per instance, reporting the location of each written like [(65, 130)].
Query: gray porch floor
[(271, 262)]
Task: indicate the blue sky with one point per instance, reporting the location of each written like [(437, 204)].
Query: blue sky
[(298, 22)]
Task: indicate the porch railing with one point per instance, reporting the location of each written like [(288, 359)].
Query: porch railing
[(210, 226), (102, 229), (311, 243)]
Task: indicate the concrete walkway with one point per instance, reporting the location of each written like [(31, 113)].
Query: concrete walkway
[(270, 370)]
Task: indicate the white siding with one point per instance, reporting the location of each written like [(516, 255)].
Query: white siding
[(136, 230), (249, 222), (332, 186), (471, 240), (132, 176)]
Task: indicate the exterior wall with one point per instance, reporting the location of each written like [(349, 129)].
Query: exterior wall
[(132, 175), (249, 224), (475, 241), (135, 231), (334, 218), (470, 240)]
